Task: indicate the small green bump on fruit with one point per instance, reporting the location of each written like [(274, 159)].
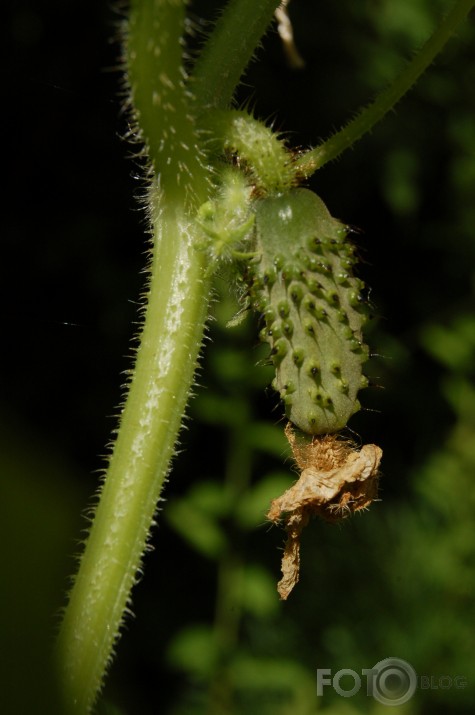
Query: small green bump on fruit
[(308, 327), (288, 400), (311, 263), (290, 272), (323, 267), (260, 304), (320, 398), (283, 308), (289, 387), (364, 382), (287, 328), (296, 292), (315, 395), (279, 351), (270, 276), (275, 330), (335, 368), (355, 345), (315, 287), (321, 313), (342, 278), (314, 244), (342, 316), (354, 299), (298, 356), (312, 419), (347, 263), (334, 246), (270, 315), (332, 297), (312, 369), (343, 386), (309, 304)]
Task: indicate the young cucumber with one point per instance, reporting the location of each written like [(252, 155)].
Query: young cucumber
[(303, 284)]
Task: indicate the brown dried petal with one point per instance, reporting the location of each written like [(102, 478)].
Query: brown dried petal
[(336, 480)]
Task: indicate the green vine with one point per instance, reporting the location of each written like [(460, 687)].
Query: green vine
[(217, 71), (157, 397), (166, 357), (387, 100), (197, 207)]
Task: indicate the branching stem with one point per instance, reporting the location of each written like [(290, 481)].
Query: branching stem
[(229, 50), (364, 122)]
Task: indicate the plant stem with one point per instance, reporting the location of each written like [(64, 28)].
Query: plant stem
[(312, 160), (229, 50), (160, 103), (166, 357), (159, 389)]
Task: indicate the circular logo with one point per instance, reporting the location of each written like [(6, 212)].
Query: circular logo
[(394, 681)]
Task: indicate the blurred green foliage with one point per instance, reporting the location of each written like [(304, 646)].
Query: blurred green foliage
[(210, 635)]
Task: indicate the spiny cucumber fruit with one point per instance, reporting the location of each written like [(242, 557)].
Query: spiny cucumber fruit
[(303, 284)]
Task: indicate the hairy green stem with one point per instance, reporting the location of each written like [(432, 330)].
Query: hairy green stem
[(159, 390), (160, 102), (229, 50), (162, 110), (166, 357), (312, 160)]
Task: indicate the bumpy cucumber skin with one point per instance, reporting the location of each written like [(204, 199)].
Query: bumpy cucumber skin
[(303, 285)]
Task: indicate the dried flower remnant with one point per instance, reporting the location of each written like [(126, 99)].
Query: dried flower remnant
[(336, 480)]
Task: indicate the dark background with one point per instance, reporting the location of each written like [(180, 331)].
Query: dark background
[(398, 582)]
